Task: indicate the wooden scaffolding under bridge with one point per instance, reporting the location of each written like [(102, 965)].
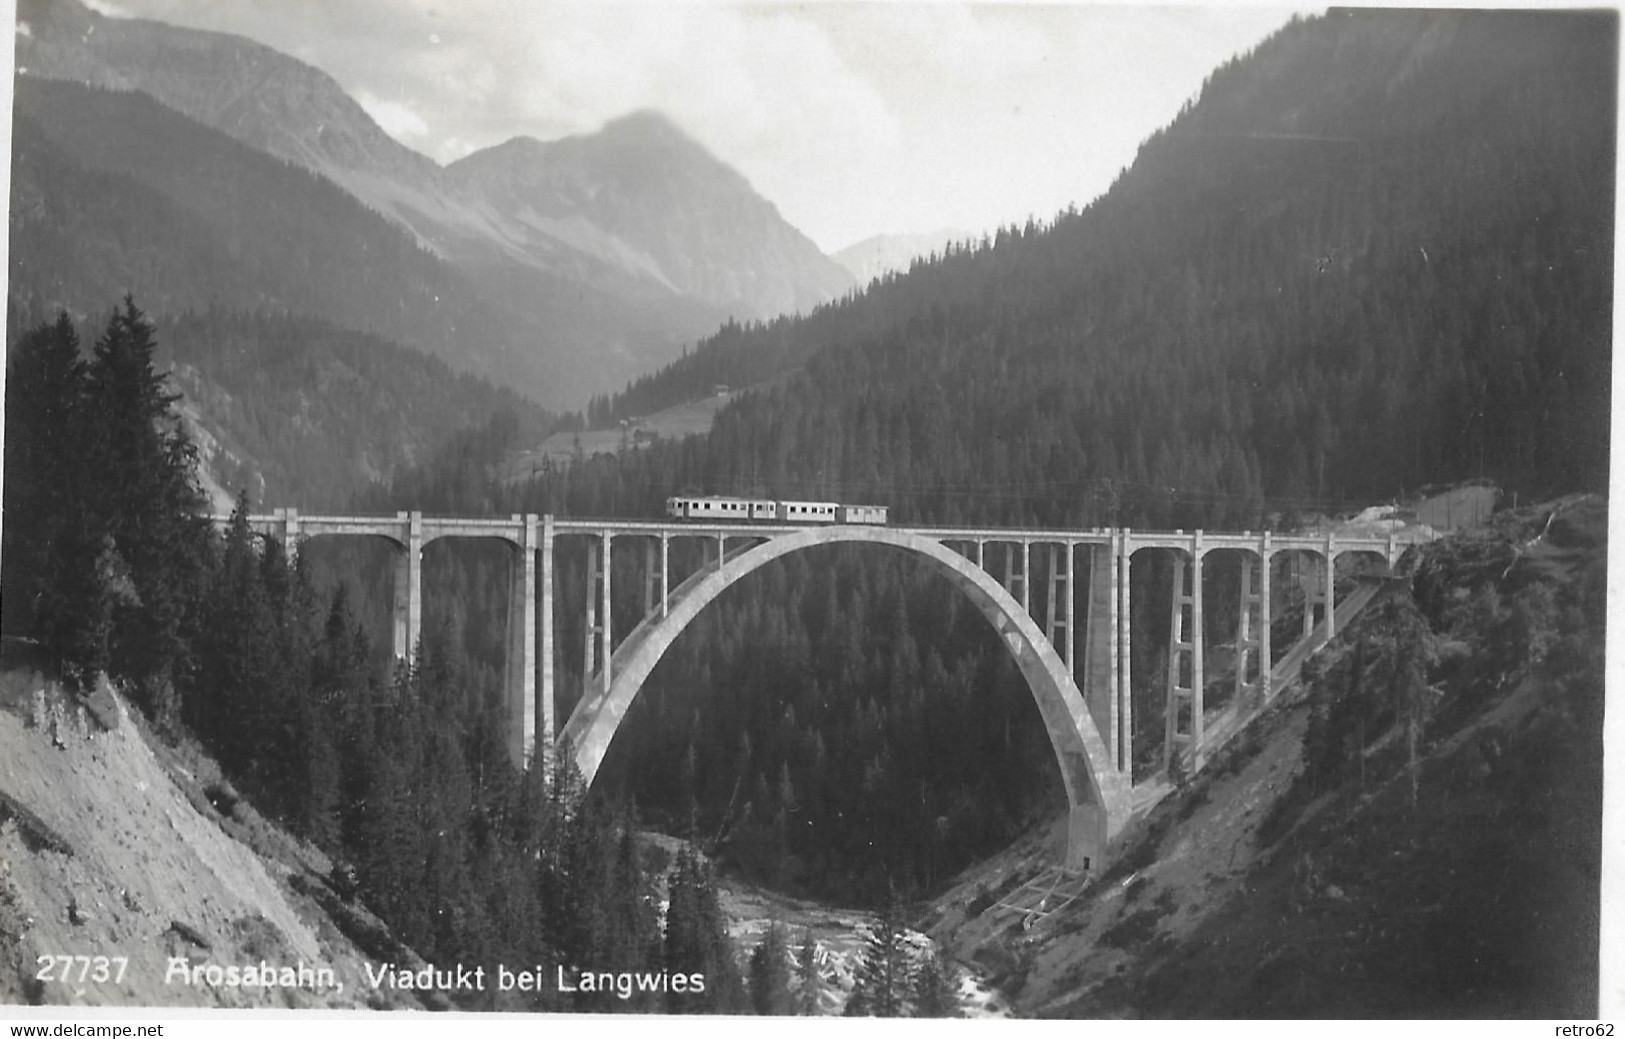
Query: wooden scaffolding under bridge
[(1048, 892)]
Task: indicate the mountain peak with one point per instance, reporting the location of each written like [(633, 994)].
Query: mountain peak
[(644, 129), (645, 122), (659, 202), (641, 136), (62, 19)]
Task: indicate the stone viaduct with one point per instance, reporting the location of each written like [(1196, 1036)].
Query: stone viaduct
[(1079, 672)]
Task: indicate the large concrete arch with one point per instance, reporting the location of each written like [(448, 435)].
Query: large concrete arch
[(1097, 794)]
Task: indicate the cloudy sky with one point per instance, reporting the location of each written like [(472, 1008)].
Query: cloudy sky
[(854, 118)]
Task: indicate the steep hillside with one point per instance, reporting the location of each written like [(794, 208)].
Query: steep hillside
[(112, 843), (1374, 254), (307, 414), (112, 192), (611, 267), (263, 98), (1318, 868)]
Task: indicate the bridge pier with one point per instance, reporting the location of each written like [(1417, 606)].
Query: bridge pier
[(589, 662), (521, 670), (1016, 581), (1059, 617), (1330, 593), (600, 624), (1266, 658), (1253, 633), (288, 520), (408, 628), (544, 626), (649, 578), (1089, 834), (665, 574), (1105, 688), (606, 619), (1317, 593), (1125, 657), (1185, 657)]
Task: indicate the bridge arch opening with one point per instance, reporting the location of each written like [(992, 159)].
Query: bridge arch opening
[(1237, 613), (1199, 644), (367, 567), (1163, 662), (1298, 587), (1097, 795)]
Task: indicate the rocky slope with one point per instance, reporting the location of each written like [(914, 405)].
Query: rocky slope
[(111, 844)]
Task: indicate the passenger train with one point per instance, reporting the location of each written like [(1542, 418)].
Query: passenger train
[(713, 507)]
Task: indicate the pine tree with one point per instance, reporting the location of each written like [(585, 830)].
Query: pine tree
[(810, 987), (143, 470), (770, 973), (237, 652), (323, 777), (936, 987), (54, 540), (388, 849), (343, 692), (1404, 649), (696, 940), (885, 977)]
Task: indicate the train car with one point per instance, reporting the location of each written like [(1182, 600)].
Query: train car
[(737, 510), (808, 511), (875, 514), (713, 507)]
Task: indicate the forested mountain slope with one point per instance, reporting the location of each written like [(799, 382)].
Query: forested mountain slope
[(884, 254), (1374, 253), (306, 412)]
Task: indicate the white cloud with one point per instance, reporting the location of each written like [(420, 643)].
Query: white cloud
[(398, 119)]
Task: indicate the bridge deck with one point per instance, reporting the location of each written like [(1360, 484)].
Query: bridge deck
[(439, 526)]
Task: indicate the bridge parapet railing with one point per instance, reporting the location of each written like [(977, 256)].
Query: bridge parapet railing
[(1092, 535)]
